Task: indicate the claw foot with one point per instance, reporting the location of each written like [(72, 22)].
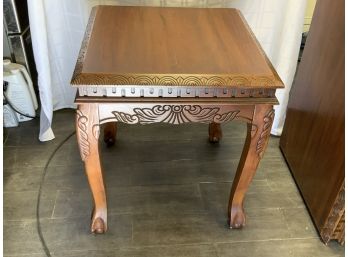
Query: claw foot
[(236, 218), (215, 133), (98, 226)]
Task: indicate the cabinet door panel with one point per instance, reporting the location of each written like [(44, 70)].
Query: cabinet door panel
[(313, 137)]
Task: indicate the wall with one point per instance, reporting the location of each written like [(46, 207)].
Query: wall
[(309, 14), (6, 47)]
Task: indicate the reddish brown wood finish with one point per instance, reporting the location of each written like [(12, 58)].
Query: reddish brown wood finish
[(178, 112), (180, 28), (164, 46), (208, 57), (255, 144), (87, 129), (313, 136)]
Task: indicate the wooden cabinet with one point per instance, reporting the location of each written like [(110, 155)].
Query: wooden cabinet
[(313, 137)]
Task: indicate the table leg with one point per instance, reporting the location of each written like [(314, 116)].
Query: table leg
[(110, 131), (87, 129), (215, 132), (255, 144)]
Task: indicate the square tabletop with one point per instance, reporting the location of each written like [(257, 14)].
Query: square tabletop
[(132, 45)]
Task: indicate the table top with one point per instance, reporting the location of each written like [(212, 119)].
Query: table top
[(126, 45)]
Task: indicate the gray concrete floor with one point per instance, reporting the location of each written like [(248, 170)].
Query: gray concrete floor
[(167, 194)]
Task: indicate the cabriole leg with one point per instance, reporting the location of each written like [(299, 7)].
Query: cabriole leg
[(255, 144), (87, 129)]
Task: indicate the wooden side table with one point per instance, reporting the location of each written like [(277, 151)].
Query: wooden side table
[(141, 65)]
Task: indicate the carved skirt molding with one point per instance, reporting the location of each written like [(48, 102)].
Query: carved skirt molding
[(173, 113)]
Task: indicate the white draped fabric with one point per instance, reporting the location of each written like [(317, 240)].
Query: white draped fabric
[(57, 29)]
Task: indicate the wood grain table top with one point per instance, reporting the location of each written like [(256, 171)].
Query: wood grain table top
[(126, 45)]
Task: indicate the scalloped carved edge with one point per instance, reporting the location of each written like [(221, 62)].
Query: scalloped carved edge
[(267, 126), (336, 213), (175, 114), (82, 122), (237, 80)]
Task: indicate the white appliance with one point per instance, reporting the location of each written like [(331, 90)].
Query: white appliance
[(10, 117), (19, 91)]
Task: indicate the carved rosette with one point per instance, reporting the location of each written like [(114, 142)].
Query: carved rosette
[(175, 114), (266, 129), (82, 134)]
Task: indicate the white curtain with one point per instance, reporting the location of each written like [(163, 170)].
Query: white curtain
[(57, 29)]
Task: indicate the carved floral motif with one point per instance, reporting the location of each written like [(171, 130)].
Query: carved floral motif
[(82, 134), (267, 125), (175, 114)]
